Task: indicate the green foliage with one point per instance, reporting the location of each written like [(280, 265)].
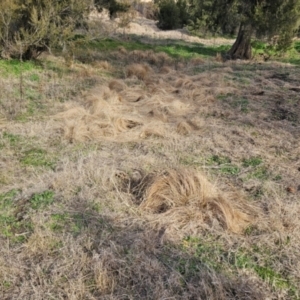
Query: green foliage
[(172, 14), (168, 15), (113, 6), (212, 16), (29, 27), (297, 46), (265, 19)]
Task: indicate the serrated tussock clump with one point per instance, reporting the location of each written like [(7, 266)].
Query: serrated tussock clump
[(185, 195)]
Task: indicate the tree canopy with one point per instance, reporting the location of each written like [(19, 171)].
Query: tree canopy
[(29, 27), (260, 18), (264, 18)]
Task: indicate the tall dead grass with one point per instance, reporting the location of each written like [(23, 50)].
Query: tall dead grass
[(138, 70), (182, 196), (129, 108)]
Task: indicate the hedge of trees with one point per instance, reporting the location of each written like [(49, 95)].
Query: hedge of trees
[(29, 27), (246, 18)]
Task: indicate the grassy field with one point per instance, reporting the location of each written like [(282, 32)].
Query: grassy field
[(150, 171)]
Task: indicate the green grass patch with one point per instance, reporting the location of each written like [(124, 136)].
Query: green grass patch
[(73, 223), (41, 200), (190, 160), (14, 229), (277, 177), (34, 77), (187, 51), (6, 199), (174, 49), (212, 254), (252, 161), (291, 55), (297, 46), (260, 173), (207, 253), (241, 104), (11, 226), (244, 260), (179, 49), (224, 163), (259, 47), (36, 157), (16, 67), (5, 285), (108, 45), (13, 139)]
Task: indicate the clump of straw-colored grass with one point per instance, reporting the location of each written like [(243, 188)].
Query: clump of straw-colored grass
[(117, 85), (183, 194), (102, 64), (138, 70), (184, 128)]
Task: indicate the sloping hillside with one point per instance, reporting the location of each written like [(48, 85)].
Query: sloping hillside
[(133, 174)]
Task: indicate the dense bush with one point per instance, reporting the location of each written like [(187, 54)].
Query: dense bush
[(29, 27), (172, 14), (113, 6)]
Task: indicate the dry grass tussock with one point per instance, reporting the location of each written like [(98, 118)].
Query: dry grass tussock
[(185, 196), (138, 70), (117, 85), (126, 110), (157, 59), (103, 64)]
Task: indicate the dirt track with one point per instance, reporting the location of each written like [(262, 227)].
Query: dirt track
[(146, 28)]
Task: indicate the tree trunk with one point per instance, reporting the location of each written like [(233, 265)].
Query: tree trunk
[(241, 49), (33, 52)]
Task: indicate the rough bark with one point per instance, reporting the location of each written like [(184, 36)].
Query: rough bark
[(241, 49)]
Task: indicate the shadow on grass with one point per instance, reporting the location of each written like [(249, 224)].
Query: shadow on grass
[(181, 49), (92, 255), (144, 264), (174, 48)]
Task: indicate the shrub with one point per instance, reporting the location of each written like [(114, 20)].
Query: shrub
[(172, 14), (29, 27), (169, 15), (113, 6)]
